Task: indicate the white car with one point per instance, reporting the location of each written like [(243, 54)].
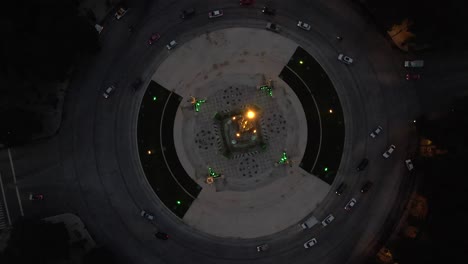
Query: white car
[(303, 25), (389, 151), (108, 91), (120, 12), (263, 247), (409, 164), (215, 13), (328, 220), (146, 215), (310, 243), (345, 59), (376, 132), (350, 204), (171, 45)]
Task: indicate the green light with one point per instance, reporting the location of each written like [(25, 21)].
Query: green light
[(154, 98), (198, 103), (178, 202), (326, 169), (213, 173)]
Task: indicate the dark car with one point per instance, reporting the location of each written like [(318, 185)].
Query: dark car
[(187, 13), (162, 235), (366, 186), (268, 11), (340, 188), (362, 165)]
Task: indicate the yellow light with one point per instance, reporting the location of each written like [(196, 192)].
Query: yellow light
[(149, 152), (331, 111), (250, 114), (237, 134), (301, 62), (233, 118), (255, 130)]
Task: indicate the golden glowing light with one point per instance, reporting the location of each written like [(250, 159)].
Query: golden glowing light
[(149, 152), (237, 134), (233, 118), (255, 130), (331, 111), (250, 114)]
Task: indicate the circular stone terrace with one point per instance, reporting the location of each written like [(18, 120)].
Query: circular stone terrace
[(240, 132)]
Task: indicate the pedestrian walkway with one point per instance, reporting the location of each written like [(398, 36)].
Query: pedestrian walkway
[(3, 218)]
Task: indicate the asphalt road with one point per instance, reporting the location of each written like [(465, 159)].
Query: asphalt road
[(92, 167)]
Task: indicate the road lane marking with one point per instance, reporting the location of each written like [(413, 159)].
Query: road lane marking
[(14, 181)]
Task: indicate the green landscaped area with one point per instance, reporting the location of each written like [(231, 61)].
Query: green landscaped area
[(330, 114)]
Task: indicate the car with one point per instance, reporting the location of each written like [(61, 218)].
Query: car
[(36, 196), (121, 11), (340, 188), (389, 151), (215, 13), (303, 25), (108, 91), (245, 2), (350, 204), (328, 220), (161, 235), (409, 164), (376, 132), (154, 37), (273, 27), (366, 186), (412, 76), (147, 215), (414, 64), (268, 11), (345, 59), (362, 165), (310, 243), (187, 13), (171, 45), (263, 247)]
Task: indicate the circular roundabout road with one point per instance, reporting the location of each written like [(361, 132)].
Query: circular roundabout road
[(234, 54)]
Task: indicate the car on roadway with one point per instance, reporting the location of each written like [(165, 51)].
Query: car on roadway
[(310, 243), (340, 188), (389, 151), (412, 76), (187, 13), (109, 90), (161, 235), (36, 196), (268, 11), (215, 13), (154, 37), (263, 247), (362, 165), (345, 59), (409, 164), (273, 27), (350, 204), (171, 45), (366, 186), (303, 25), (245, 2), (376, 132), (146, 215), (328, 220), (121, 11), (414, 64)]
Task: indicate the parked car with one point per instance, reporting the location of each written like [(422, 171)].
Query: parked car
[(414, 64), (171, 45), (409, 164), (389, 151), (161, 235), (412, 76), (215, 13), (350, 204), (340, 188), (310, 222), (376, 132), (246, 2), (310, 243), (362, 165), (367, 185), (268, 11), (121, 11), (154, 37), (263, 247), (147, 215), (328, 220), (187, 13), (273, 27), (109, 90), (36, 196), (345, 59), (303, 25)]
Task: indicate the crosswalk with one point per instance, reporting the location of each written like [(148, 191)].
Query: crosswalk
[(3, 218)]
